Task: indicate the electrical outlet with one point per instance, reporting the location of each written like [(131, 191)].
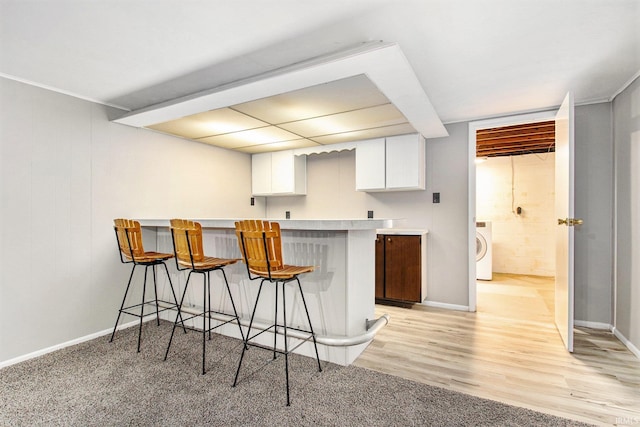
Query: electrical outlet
[(436, 197), (287, 215), (369, 214)]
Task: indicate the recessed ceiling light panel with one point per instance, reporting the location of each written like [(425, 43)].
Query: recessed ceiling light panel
[(366, 118), (381, 132), (209, 123), (265, 135), (338, 96)]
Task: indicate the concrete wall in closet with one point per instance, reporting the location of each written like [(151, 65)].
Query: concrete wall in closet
[(522, 243)]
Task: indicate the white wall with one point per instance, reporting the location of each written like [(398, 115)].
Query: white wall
[(522, 244), (626, 128), (331, 194), (594, 205), (65, 173)]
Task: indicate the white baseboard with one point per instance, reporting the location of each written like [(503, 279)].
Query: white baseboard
[(89, 337), (607, 327), (593, 325), (445, 305), (632, 348)]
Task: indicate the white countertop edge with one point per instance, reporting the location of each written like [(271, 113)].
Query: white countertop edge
[(287, 224), (403, 231)]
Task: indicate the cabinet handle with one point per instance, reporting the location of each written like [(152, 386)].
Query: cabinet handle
[(388, 239)]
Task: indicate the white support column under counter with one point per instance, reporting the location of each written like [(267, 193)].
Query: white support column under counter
[(340, 293)]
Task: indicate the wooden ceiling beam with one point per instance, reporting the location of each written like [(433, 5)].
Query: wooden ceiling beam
[(516, 139)]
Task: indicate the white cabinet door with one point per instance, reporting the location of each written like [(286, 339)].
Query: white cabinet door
[(261, 174), (288, 173), (405, 159), (392, 164), (370, 165), (278, 173)]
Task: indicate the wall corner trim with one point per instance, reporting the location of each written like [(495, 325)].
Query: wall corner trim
[(632, 348)]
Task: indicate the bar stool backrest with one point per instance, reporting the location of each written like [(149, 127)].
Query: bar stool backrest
[(129, 236), (187, 241), (260, 245)]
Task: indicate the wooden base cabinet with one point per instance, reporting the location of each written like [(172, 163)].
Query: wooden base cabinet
[(401, 267)]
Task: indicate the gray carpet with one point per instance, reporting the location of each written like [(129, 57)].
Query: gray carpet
[(98, 383)]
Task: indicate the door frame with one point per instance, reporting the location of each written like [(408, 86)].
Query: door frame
[(471, 223)]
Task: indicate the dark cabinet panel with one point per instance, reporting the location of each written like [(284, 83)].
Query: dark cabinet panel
[(398, 268), (379, 267)]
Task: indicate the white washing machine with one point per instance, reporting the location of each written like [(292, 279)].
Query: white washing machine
[(484, 256)]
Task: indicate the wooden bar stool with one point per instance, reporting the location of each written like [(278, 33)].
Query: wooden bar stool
[(189, 255), (129, 238), (261, 247)]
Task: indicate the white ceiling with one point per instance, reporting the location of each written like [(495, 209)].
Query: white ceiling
[(473, 58)]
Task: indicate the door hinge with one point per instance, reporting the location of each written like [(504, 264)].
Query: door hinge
[(570, 222)]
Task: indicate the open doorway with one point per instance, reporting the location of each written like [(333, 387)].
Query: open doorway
[(513, 208), (515, 255)]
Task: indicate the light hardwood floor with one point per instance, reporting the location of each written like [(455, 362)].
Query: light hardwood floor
[(510, 351)]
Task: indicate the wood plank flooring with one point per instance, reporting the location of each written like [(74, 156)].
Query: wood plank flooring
[(510, 351)]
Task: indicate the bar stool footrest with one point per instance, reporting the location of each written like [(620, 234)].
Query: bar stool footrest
[(165, 306)]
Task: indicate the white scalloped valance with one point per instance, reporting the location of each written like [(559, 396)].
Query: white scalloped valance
[(329, 148)]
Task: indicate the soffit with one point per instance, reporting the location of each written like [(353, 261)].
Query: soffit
[(329, 113), (366, 92)]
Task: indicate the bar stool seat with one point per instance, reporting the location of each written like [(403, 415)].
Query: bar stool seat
[(261, 247), (131, 250), (208, 263)]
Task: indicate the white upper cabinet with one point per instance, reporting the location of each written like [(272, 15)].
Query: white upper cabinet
[(279, 173), (395, 163), (405, 162), (261, 174), (370, 165)]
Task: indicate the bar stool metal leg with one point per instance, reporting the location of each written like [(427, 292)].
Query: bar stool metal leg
[(144, 289), (247, 337), (184, 294), (175, 298), (233, 304), (275, 322), (286, 346), (155, 292), (205, 318), (123, 302), (313, 334), (206, 314)]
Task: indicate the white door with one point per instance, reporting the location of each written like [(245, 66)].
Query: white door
[(564, 208)]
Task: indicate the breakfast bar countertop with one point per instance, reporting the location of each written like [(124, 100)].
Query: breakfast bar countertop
[(287, 224)]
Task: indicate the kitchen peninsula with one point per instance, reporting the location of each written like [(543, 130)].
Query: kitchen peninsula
[(340, 293)]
